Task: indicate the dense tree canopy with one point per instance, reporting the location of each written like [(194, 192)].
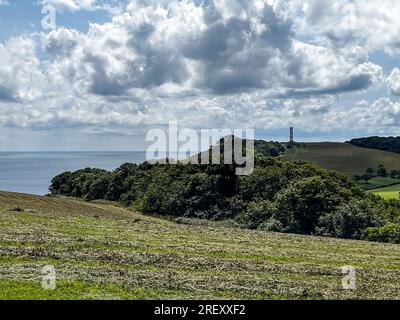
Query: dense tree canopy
[(391, 144), (280, 196)]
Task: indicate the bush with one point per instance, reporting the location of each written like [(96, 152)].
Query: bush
[(305, 201), (99, 188), (61, 184), (119, 181), (257, 213), (274, 225), (348, 221), (388, 233)]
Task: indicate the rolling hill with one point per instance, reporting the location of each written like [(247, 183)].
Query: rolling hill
[(102, 251), (343, 157)]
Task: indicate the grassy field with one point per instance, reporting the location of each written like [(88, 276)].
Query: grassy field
[(101, 251), (344, 157), (380, 182), (392, 192)]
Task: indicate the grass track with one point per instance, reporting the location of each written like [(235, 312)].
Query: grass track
[(101, 251)]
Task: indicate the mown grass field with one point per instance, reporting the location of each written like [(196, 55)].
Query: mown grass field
[(344, 157), (392, 192), (101, 251), (380, 182)]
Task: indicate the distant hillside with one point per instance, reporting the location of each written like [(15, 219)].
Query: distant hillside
[(261, 147), (391, 144), (343, 157)]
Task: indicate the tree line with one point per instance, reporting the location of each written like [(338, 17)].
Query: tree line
[(391, 144), (381, 171), (280, 196)]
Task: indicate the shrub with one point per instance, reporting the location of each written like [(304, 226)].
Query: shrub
[(388, 233), (99, 188), (273, 224), (348, 221), (118, 182), (61, 184), (258, 213), (305, 201)]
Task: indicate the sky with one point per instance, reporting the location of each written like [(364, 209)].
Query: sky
[(107, 72)]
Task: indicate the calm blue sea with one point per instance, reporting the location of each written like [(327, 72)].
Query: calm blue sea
[(31, 172)]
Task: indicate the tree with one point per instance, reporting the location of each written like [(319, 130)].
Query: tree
[(370, 171), (118, 183), (61, 184), (388, 233), (367, 177), (382, 172), (301, 205), (258, 213), (98, 188), (395, 174), (348, 221)]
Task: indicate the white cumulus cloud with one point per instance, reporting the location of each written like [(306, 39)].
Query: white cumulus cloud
[(393, 82), (224, 63)]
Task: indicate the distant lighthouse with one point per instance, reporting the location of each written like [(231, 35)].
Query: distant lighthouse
[(291, 140)]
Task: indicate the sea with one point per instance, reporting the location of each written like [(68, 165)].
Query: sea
[(31, 172)]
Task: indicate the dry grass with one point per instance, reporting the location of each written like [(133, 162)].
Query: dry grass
[(105, 252)]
